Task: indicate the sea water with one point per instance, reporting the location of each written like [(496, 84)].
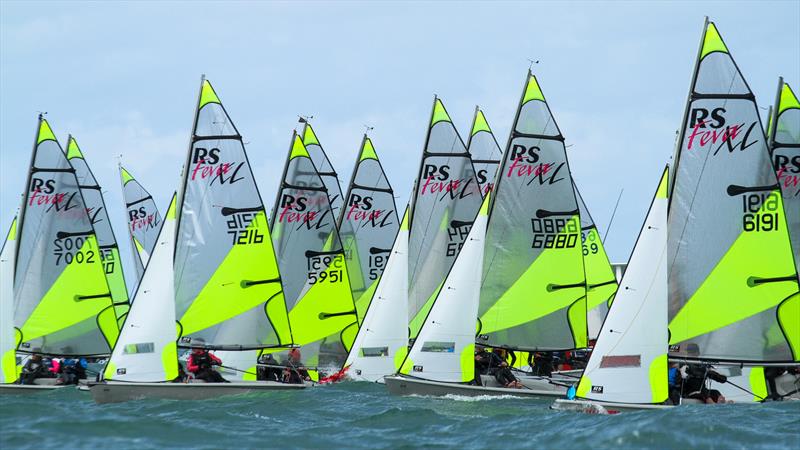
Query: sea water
[(364, 415)]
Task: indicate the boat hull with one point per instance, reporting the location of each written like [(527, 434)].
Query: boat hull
[(596, 407), (116, 391), (27, 389), (400, 385)]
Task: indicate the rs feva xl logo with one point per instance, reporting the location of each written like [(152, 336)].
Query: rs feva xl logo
[(207, 166), (437, 181), (359, 209), (43, 193), (709, 128), (524, 162)]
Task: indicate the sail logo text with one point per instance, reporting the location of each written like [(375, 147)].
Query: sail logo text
[(437, 181), (788, 171), (702, 136), (43, 192), (360, 210), (140, 219), (525, 163), (207, 165)]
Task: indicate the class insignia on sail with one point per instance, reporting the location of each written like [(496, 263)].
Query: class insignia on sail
[(484, 151), (144, 220)]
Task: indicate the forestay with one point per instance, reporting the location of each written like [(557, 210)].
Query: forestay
[(8, 335), (446, 199), (785, 148), (629, 362), (444, 350), (227, 286), (533, 294), (382, 341), (107, 242), (733, 288), (601, 284), (62, 303), (484, 151), (311, 259), (324, 168), (144, 220), (146, 350), (368, 225)]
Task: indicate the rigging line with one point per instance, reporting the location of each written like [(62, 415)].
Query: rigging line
[(611, 220)]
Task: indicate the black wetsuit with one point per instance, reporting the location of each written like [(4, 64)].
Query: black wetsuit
[(694, 385), (31, 371), (487, 363), (269, 371)]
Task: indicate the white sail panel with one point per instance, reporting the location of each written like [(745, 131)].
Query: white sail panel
[(629, 361), (8, 335), (146, 350), (382, 340)]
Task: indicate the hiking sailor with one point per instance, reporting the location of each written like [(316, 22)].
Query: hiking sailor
[(200, 364)]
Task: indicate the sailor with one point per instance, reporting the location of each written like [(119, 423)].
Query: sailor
[(71, 371), (34, 368), (542, 364), (294, 372), (674, 383), (201, 364), (268, 368), (491, 363), (694, 378)]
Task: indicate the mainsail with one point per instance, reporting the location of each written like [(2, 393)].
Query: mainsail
[(146, 350), (324, 168), (382, 341), (228, 292), (8, 335), (601, 284), (445, 202), (629, 361), (62, 303), (107, 242), (144, 220), (784, 140), (312, 262), (367, 225), (484, 150), (733, 287), (533, 291)]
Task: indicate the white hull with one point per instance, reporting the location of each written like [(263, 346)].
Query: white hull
[(402, 385), (596, 407), (27, 389), (116, 391)]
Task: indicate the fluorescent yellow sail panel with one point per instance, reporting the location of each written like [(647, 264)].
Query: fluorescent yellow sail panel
[(731, 292), (552, 267), (63, 305), (326, 308), (228, 294), (712, 42)]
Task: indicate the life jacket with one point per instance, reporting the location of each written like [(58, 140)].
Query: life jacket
[(202, 360)]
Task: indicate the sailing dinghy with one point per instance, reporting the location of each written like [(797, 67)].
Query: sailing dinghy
[(733, 285), (62, 305), (144, 220), (530, 289), (212, 280)]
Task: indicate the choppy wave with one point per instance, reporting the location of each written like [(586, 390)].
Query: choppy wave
[(364, 415)]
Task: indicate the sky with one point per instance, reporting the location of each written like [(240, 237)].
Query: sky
[(123, 77)]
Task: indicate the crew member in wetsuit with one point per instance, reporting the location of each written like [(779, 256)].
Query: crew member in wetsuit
[(694, 383), (268, 369), (542, 364), (200, 364), (34, 368), (488, 363), (294, 372)]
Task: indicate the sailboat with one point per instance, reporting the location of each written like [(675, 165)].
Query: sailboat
[(733, 286), (628, 366), (324, 167), (446, 199), (312, 264), (484, 151), (724, 280), (144, 220), (784, 145), (367, 225), (520, 273), (224, 291), (107, 242), (62, 305)]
